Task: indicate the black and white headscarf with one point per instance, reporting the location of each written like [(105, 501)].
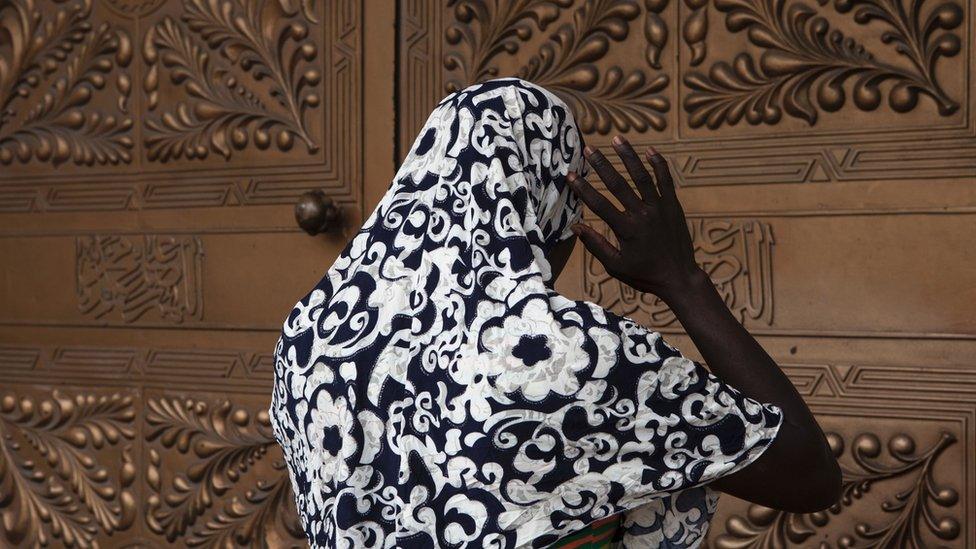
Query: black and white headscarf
[(433, 391)]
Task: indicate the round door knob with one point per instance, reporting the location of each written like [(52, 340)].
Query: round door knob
[(316, 213)]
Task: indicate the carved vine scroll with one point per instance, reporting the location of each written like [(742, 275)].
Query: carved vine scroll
[(567, 62), (220, 53), (914, 512), (805, 65), (60, 50)]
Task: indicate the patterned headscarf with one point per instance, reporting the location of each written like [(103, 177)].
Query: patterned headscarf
[(433, 391)]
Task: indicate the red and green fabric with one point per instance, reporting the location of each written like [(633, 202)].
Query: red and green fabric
[(598, 535)]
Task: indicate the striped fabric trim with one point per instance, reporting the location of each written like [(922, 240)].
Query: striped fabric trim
[(598, 535)]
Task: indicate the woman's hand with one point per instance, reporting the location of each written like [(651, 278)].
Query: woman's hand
[(655, 253), (798, 472)]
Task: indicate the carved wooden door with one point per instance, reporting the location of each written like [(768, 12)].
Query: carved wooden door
[(826, 154), (151, 152)]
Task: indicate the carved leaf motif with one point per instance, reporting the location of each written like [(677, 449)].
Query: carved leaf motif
[(248, 518), (568, 54), (224, 114), (621, 103), (75, 60), (224, 442), (655, 31), (695, 29), (71, 496), (805, 64), (767, 528), (565, 64), (491, 27)]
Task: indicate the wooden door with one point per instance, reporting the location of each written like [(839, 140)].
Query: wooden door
[(151, 154), (826, 156)]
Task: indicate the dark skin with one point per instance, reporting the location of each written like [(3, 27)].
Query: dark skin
[(558, 255), (798, 472)]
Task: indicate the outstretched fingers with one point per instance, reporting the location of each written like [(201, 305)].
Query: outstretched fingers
[(612, 178), (595, 200), (598, 245), (638, 172), (661, 174), (671, 207)]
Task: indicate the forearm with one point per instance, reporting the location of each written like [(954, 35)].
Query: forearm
[(732, 354), (654, 253), (799, 455)]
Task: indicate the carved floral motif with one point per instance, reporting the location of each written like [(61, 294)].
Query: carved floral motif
[(54, 481), (609, 99), (805, 64), (490, 27), (221, 443), (60, 50), (913, 512), (604, 99), (262, 45)]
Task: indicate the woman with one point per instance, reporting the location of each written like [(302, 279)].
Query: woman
[(433, 390)]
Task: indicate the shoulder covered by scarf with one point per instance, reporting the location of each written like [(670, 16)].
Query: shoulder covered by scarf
[(433, 391)]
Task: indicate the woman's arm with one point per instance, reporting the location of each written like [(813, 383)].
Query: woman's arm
[(798, 472)]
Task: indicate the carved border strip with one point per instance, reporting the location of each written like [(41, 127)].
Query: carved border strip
[(108, 196), (247, 369), (237, 370), (749, 165)]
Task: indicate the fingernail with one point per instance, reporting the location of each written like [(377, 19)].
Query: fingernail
[(618, 140), (651, 150), (588, 150)]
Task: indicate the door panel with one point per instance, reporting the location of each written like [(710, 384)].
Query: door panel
[(151, 153), (826, 154), (148, 250)]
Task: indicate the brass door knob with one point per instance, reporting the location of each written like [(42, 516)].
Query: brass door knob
[(316, 213)]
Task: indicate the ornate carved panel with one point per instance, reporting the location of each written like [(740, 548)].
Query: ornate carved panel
[(906, 454), (59, 65), (67, 465), (151, 153), (79, 465), (200, 451), (707, 77), (179, 103), (897, 493)]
